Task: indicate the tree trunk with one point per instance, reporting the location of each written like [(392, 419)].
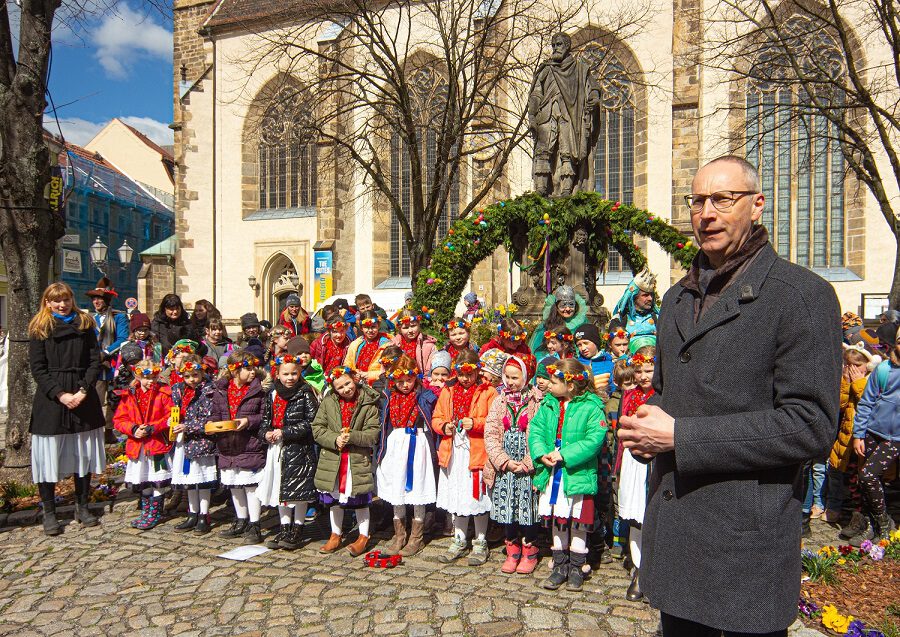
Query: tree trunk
[(894, 296)]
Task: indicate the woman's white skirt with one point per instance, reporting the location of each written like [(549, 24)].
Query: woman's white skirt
[(268, 491), (457, 484), (56, 457), (391, 474), (146, 472), (567, 506), (199, 470), (632, 488), (238, 477)]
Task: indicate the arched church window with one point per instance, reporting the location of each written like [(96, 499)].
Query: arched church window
[(795, 147), (287, 153), (614, 152), (428, 98)]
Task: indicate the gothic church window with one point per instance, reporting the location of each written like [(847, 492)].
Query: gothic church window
[(287, 153)]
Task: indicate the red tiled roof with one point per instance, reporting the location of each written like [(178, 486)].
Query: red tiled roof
[(97, 158)]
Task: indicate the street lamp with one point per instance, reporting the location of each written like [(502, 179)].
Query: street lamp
[(99, 252)]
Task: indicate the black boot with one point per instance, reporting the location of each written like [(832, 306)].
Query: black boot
[(274, 542), (858, 522), (292, 540), (48, 501), (885, 525), (868, 533), (805, 531), (252, 534), (204, 525), (634, 593), (576, 576), (237, 528), (82, 492), (560, 571), (188, 524)]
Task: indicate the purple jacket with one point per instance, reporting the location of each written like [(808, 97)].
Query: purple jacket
[(239, 449), (196, 443)]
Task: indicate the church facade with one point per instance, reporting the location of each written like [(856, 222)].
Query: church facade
[(261, 206)]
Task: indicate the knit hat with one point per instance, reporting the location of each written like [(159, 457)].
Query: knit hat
[(139, 320), (542, 367), (186, 342), (441, 359), (255, 347), (564, 294), (212, 365), (589, 332), (470, 298), (850, 319), (340, 304), (515, 360), (131, 353), (408, 296), (249, 320), (872, 359), (264, 324), (297, 345), (643, 340), (292, 299), (493, 361)]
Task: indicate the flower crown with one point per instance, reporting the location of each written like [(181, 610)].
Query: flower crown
[(568, 377), (191, 366), (369, 322), (639, 359), (285, 358), (146, 372), (456, 323), (179, 349), (250, 361), (619, 333), (387, 359), (562, 337), (467, 368), (337, 372), (502, 333), (408, 320), (400, 373), (337, 325)]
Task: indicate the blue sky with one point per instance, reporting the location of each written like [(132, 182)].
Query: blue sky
[(112, 63)]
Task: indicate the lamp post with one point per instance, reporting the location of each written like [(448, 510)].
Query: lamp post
[(99, 251)]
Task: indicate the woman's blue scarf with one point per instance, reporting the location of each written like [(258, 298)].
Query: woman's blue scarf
[(65, 319)]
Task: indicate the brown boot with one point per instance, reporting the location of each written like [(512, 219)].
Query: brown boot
[(416, 540), (333, 544), (359, 546), (399, 539)]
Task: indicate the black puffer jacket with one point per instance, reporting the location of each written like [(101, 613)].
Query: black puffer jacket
[(298, 454)]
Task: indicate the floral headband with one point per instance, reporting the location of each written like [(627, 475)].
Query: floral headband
[(562, 337), (369, 322), (337, 325), (400, 373), (146, 372), (568, 377), (191, 366), (250, 361), (456, 324), (179, 349), (337, 372), (408, 320), (509, 335), (639, 359), (285, 358), (619, 333), (466, 368), (388, 359)]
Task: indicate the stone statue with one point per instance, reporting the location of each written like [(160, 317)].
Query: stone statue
[(561, 108)]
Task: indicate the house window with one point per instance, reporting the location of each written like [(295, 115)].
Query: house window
[(796, 149), (288, 154)]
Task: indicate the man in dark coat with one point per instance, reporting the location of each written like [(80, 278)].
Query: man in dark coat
[(747, 384)]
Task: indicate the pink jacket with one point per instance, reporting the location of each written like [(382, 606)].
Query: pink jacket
[(425, 349), (494, 429)]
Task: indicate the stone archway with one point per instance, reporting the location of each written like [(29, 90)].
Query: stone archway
[(280, 279)]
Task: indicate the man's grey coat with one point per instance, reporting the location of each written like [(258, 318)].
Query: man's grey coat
[(754, 389)]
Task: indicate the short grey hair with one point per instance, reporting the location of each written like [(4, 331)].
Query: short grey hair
[(751, 174)]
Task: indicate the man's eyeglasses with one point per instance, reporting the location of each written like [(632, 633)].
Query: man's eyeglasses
[(723, 200)]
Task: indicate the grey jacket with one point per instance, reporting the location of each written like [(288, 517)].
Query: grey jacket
[(754, 389)]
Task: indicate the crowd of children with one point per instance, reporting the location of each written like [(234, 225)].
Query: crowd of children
[(366, 410)]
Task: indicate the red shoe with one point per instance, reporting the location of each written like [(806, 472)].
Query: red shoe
[(513, 555), (529, 560)]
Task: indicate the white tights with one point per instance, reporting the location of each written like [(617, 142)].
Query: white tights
[(336, 515), (461, 526), (418, 512), (561, 541), (198, 500), (246, 504), (634, 543), (287, 511)]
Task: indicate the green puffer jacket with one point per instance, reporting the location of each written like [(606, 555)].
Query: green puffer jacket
[(584, 430), (364, 429)]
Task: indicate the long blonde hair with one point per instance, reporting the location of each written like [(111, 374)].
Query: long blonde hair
[(41, 324)]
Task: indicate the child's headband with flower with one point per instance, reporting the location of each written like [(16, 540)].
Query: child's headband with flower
[(466, 368), (370, 322), (502, 333), (456, 324), (146, 372), (557, 335), (191, 366), (619, 333), (568, 377), (337, 325), (337, 372), (179, 349), (406, 321), (250, 361), (636, 360), (387, 360), (397, 374), (285, 358)]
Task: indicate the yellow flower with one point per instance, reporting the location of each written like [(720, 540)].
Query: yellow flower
[(832, 619), (895, 536), (501, 309), (513, 308), (842, 561), (827, 551)]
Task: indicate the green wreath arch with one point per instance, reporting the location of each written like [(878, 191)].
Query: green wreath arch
[(552, 221)]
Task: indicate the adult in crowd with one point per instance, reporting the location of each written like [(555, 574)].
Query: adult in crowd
[(200, 316), (66, 415), (747, 383), (294, 316), (112, 332), (172, 324), (637, 312), (563, 307)]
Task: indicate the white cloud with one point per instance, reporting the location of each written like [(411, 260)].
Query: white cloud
[(157, 131), (124, 36), (81, 131)]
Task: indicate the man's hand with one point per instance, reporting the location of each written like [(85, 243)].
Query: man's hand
[(649, 432)]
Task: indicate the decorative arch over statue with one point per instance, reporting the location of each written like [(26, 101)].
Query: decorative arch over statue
[(541, 231), (280, 279)]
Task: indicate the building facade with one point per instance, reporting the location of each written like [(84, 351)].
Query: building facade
[(261, 207)]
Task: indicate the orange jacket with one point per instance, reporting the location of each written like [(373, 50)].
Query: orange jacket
[(443, 413), (128, 415)]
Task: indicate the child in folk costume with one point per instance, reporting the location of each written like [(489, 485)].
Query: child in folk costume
[(276, 345), (388, 361), (458, 337), (238, 395), (182, 348), (617, 532), (492, 363), (288, 479), (142, 335), (364, 354), (634, 473), (310, 370), (330, 349), (459, 418), (418, 346), (564, 439), (346, 429), (558, 342), (440, 373), (405, 473), (509, 469), (194, 460), (143, 416), (617, 343), (511, 338)]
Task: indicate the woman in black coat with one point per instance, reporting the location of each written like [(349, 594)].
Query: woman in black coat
[(171, 324), (289, 410), (66, 417)]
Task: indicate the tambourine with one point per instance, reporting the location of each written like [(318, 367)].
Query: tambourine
[(220, 426), (374, 559)]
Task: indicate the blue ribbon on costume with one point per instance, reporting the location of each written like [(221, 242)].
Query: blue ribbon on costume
[(557, 478), (410, 456), (186, 466)]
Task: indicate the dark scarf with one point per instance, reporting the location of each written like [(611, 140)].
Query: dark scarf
[(287, 393)]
